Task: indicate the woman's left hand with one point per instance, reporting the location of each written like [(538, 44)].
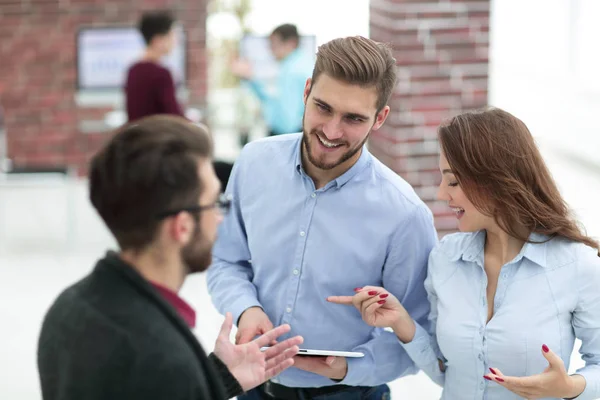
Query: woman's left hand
[(553, 382)]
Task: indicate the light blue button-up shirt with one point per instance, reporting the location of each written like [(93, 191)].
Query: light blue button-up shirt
[(367, 227), (549, 294), (283, 104)]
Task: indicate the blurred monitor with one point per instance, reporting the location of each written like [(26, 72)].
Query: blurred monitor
[(105, 53), (257, 51)]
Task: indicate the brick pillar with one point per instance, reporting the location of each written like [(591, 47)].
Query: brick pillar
[(38, 76), (442, 52)]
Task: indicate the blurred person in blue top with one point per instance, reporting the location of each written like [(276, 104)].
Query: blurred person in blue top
[(282, 106), (509, 293), (315, 213)]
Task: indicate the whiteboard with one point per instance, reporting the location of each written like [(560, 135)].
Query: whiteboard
[(105, 53)]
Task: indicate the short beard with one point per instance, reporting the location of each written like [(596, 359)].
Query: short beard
[(197, 254), (321, 165)]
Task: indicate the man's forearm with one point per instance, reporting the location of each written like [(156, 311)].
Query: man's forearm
[(231, 289)]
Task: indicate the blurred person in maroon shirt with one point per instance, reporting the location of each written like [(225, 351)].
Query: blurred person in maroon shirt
[(149, 88)]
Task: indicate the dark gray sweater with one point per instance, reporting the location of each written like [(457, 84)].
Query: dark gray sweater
[(112, 336)]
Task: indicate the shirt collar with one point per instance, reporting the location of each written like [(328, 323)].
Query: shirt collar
[(363, 161), (183, 309), (534, 250), (472, 249)]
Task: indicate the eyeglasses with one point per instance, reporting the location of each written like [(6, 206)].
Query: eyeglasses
[(223, 203)]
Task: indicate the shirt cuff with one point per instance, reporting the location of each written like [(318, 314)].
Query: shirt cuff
[(232, 386), (419, 349), (241, 305), (592, 385), (354, 375)]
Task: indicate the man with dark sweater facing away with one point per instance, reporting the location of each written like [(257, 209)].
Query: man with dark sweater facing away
[(150, 88), (123, 332)]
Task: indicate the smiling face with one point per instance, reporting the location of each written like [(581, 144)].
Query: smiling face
[(338, 119), (470, 219)]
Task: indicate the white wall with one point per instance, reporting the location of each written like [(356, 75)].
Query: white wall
[(327, 19), (544, 68)]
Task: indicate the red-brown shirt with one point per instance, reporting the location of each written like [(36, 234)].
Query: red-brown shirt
[(150, 90), (183, 309)]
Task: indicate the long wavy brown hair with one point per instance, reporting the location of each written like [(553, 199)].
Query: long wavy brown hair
[(501, 171)]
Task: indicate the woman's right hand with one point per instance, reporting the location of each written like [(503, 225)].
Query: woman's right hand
[(380, 308)]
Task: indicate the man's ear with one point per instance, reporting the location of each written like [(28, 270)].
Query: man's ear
[(181, 227), (381, 117), (307, 87)]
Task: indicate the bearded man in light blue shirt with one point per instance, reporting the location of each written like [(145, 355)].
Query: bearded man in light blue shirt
[(315, 213)]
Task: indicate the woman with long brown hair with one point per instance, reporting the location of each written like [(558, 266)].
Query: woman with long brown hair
[(513, 289)]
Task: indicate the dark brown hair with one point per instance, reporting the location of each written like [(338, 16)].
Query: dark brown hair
[(360, 61), (155, 23), (287, 32), (148, 167), (499, 167)]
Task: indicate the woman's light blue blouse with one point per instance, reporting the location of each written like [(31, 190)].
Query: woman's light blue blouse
[(549, 294)]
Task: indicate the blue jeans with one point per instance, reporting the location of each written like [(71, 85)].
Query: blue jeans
[(376, 393)]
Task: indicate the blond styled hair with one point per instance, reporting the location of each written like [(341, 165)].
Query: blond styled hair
[(360, 61)]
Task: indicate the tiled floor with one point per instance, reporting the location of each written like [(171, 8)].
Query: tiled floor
[(37, 262)]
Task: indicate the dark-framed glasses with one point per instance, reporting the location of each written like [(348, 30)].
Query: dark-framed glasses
[(223, 204)]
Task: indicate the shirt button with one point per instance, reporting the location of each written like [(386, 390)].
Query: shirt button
[(302, 233), (313, 195), (296, 272), (481, 331), (480, 356), (289, 309), (481, 385)]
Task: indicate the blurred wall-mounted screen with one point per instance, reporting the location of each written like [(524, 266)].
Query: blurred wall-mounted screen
[(105, 53)]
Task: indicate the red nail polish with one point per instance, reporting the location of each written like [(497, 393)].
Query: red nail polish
[(357, 289), (372, 293), (381, 302), (499, 379), (487, 377), (545, 348), (383, 296), (493, 372)]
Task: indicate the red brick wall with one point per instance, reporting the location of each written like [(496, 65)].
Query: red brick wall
[(38, 76), (442, 51)]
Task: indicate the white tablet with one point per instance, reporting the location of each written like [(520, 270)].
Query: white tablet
[(324, 353)]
